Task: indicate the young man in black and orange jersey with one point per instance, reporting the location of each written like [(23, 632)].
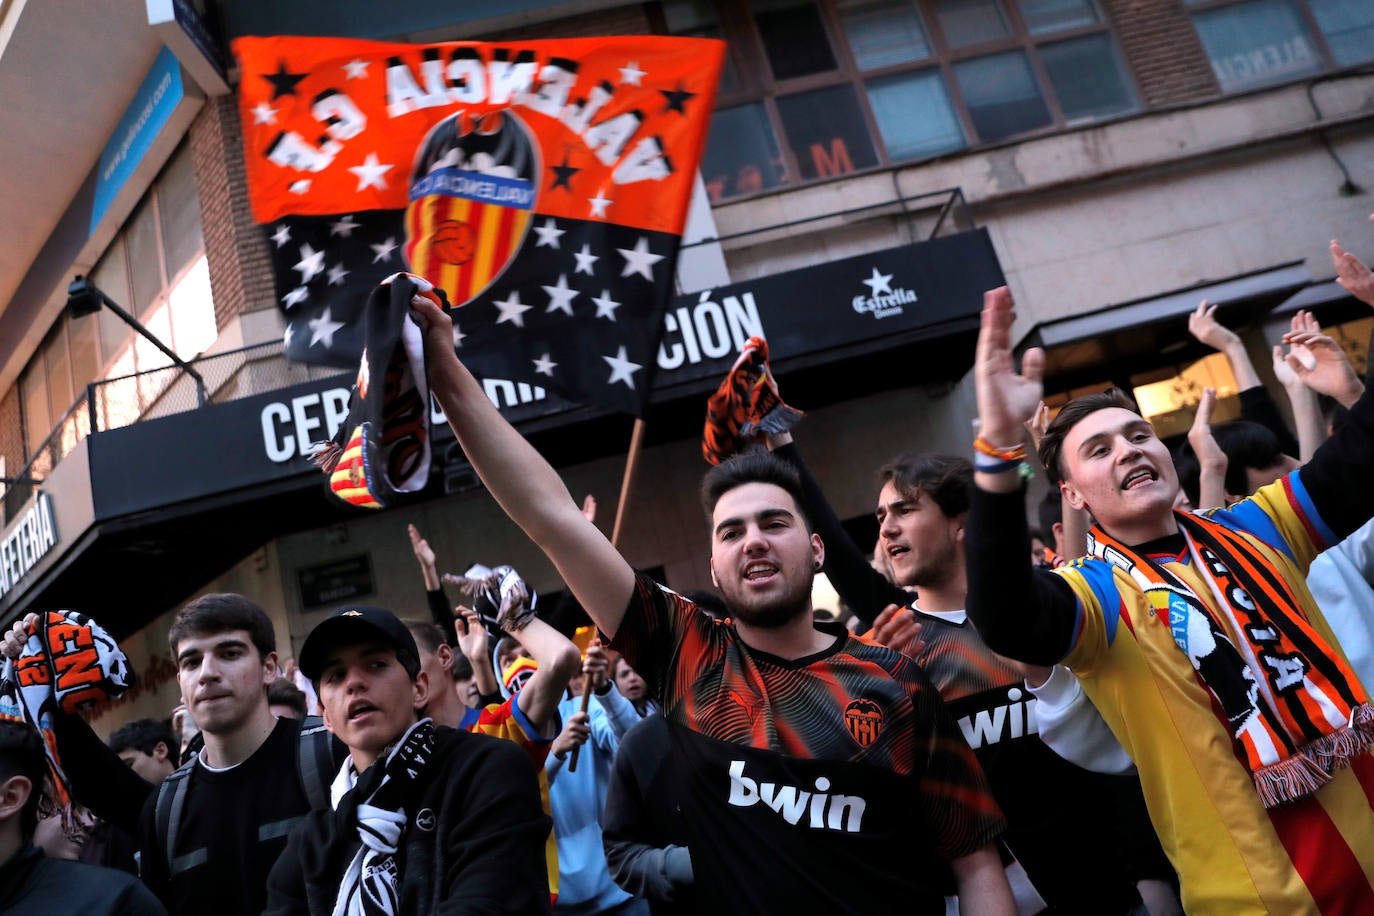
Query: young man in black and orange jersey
[(824, 773)]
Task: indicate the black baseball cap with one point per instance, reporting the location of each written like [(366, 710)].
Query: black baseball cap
[(349, 626)]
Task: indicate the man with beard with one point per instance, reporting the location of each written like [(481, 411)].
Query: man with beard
[(826, 762)]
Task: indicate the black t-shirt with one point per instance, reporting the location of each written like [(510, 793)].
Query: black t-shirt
[(233, 827), (833, 783)]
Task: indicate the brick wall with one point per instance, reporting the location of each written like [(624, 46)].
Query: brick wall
[(1158, 39), (240, 271)]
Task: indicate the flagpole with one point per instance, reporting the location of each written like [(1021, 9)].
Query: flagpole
[(626, 483)]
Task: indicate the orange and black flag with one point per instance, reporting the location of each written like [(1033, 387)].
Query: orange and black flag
[(542, 184)]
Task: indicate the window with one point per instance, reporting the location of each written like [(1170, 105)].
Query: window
[(155, 268), (1257, 43), (820, 88)]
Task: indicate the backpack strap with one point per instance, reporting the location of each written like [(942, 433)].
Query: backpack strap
[(171, 799), (315, 762)]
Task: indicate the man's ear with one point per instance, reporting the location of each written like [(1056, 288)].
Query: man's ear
[(445, 656), (1070, 492), (269, 668), (161, 751), (817, 551), (421, 690), (14, 793), (714, 581), (1057, 531), (957, 525)]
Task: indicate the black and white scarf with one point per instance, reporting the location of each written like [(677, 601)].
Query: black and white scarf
[(371, 883)]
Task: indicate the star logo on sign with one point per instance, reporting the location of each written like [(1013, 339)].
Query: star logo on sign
[(677, 98), (879, 283), (337, 274), (282, 235), (283, 82), (544, 365), (356, 69), (512, 309), (458, 336), (344, 227), (311, 263), (605, 305), (295, 297), (264, 114), (560, 296), (548, 234), (322, 329), (372, 173), (562, 175), (630, 74), (640, 260), (384, 250), (599, 205), (585, 260), (300, 187), (622, 370)]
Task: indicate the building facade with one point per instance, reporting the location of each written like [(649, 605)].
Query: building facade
[(1114, 161)]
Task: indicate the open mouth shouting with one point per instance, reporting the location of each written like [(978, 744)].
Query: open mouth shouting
[(359, 709), (759, 571), (1141, 477)]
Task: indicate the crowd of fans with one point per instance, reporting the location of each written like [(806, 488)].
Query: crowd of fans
[(1160, 710)]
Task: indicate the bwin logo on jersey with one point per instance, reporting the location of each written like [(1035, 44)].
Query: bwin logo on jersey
[(1010, 720), (827, 812)]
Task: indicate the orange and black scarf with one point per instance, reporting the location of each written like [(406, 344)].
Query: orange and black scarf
[(1295, 710), (746, 407)]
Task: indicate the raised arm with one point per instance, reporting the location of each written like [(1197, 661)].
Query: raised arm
[(1255, 403), (1021, 613), (558, 660), (476, 648), (1212, 461), (1307, 414), (522, 482)]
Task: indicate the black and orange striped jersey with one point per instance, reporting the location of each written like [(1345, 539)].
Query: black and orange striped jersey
[(846, 759)]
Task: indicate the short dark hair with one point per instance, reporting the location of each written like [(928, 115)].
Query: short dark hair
[(1052, 443), (754, 465), (507, 645), (462, 668), (282, 692), (219, 612), (1050, 512), (21, 754), (427, 635), (947, 480), (142, 735), (1247, 445)]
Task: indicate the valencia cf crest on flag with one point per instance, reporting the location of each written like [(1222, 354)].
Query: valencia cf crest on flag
[(543, 185)]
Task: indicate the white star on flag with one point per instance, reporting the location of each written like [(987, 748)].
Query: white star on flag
[(630, 74), (585, 259), (356, 69), (344, 227), (311, 263), (548, 234), (323, 328), (458, 336), (337, 274), (879, 283), (286, 337), (622, 370), (640, 260), (295, 297), (544, 365), (512, 309), (560, 296), (372, 173), (282, 235), (384, 250), (605, 305), (264, 114), (300, 187), (599, 205)]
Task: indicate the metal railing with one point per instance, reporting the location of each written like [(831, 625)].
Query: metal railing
[(118, 402)]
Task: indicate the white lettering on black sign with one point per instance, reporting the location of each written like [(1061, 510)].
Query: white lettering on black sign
[(26, 542)]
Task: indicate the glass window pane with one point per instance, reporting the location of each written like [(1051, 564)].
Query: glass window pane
[(117, 402), (742, 155), (112, 276), (33, 390), (884, 32), (144, 267), (1088, 78), (59, 371), (179, 208), (1053, 15), (698, 19), (193, 312), (794, 37), (84, 339), (914, 115), (968, 22), (1256, 44), (832, 145), (1001, 95), (1349, 29)]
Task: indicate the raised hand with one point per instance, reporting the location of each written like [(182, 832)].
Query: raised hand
[(575, 734), (1211, 459), (472, 633), (1038, 424), (596, 666), (1351, 273), (1006, 398), (14, 639), (424, 554), (897, 628), (1325, 369), (1203, 325)]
